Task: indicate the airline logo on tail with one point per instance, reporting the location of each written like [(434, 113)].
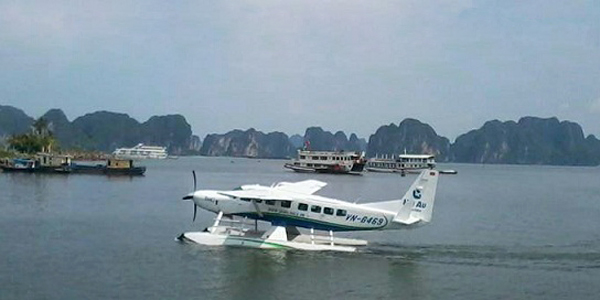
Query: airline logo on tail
[(417, 194)]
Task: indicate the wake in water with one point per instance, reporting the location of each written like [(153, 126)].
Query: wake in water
[(575, 257)]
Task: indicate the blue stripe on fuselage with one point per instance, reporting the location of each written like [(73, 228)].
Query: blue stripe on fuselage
[(280, 220)]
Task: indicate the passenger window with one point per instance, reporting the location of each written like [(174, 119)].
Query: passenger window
[(286, 204), (270, 202), (315, 209), (328, 210), (302, 206), (340, 212)]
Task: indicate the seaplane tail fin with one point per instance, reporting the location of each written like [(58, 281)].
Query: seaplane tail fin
[(419, 199)]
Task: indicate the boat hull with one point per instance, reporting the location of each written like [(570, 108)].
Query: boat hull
[(103, 170), (357, 168)]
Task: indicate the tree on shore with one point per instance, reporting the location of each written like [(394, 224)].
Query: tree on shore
[(39, 140)]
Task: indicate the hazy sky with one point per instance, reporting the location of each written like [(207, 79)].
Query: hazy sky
[(286, 65)]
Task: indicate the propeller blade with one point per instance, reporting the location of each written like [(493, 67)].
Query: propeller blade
[(195, 207), (194, 175)]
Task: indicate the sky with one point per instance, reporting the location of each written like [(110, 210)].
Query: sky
[(288, 65)]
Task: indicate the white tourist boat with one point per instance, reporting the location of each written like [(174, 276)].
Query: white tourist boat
[(141, 151), (336, 162), (402, 163)]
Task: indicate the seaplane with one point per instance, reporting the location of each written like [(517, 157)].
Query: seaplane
[(288, 206)]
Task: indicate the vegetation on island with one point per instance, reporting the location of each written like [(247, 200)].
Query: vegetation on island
[(40, 139)]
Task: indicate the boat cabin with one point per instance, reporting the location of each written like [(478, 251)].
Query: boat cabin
[(53, 160), (115, 163)]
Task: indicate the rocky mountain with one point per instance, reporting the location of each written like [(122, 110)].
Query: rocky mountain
[(195, 144), (69, 136), (531, 140), (325, 140), (171, 131), (249, 143), (103, 130), (13, 121), (410, 136), (297, 141), (357, 144), (106, 131)]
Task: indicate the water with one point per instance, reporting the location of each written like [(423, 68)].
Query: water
[(499, 232)]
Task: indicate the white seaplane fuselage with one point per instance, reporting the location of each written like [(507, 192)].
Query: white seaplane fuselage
[(288, 205)]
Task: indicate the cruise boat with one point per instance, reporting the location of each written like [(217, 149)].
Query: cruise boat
[(141, 151), (404, 163), (336, 162)]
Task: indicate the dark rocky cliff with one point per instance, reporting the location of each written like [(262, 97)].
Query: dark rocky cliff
[(13, 121), (326, 141), (103, 130), (249, 143), (171, 131), (531, 140), (410, 136)]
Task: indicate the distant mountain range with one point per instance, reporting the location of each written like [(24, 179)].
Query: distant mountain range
[(103, 131), (531, 140)]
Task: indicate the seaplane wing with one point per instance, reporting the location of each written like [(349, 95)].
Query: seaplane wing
[(256, 194), (301, 187)]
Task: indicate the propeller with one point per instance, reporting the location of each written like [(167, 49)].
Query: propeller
[(195, 208), (194, 175), (191, 197)]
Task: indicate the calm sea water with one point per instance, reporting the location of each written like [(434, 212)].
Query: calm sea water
[(499, 232)]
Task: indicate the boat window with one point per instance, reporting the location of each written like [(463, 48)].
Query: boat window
[(286, 203), (302, 157), (315, 209), (315, 157), (323, 157), (340, 212), (245, 199), (270, 202), (328, 210), (258, 200), (302, 206)]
